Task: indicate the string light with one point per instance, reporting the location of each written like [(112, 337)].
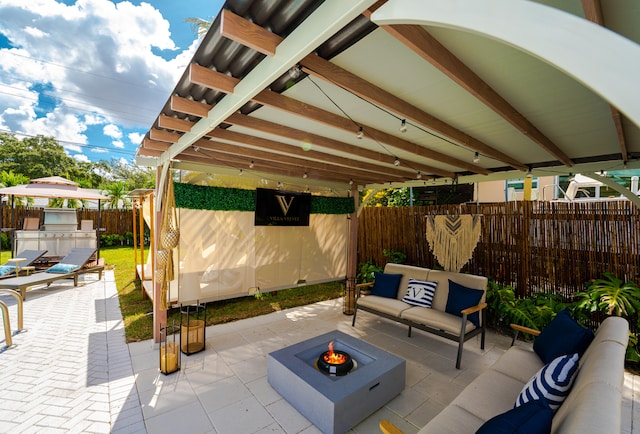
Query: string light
[(419, 175), (305, 175), (396, 162), (476, 158), (360, 133), (403, 126), (251, 165)]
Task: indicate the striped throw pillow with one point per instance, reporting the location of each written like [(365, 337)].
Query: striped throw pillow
[(553, 382), (420, 293)]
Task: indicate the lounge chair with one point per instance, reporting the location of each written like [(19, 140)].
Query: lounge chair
[(30, 256), (71, 266)]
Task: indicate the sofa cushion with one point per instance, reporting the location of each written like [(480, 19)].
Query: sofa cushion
[(386, 284), (6, 269), (436, 319), (490, 394), (562, 336), (519, 363), (553, 382), (408, 272), (420, 292), (533, 417), (383, 304), (461, 297), (442, 291)]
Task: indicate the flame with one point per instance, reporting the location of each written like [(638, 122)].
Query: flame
[(334, 358)]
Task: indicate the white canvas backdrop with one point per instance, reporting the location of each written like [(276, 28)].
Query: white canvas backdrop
[(223, 255)]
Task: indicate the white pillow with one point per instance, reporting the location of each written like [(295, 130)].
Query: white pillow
[(420, 293), (553, 382)]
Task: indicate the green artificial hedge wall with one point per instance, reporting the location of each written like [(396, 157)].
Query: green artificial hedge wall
[(234, 199)]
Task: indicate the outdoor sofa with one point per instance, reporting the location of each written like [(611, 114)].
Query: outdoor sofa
[(403, 293), (71, 266), (593, 396)]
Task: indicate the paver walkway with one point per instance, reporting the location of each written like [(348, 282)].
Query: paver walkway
[(72, 371)]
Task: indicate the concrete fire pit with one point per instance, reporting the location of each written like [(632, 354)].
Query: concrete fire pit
[(334, 404)]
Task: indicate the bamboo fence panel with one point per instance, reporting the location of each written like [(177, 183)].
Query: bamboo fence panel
[(554, 247)]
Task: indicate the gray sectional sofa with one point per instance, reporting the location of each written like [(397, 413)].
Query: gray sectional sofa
[(434, 319), (594, 404)]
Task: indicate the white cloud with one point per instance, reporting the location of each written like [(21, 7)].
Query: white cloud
[(82, 158), (112, 131), (136, 138), (93, 62), (118, 144)]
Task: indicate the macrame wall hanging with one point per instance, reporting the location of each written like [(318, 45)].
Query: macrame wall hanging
[(453, 238), (169, 239)]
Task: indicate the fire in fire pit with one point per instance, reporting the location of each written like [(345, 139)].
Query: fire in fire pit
[(335, 362)]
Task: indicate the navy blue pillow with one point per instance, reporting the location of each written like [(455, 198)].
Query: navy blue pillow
[(562, 336), (386, 285), (533, 417), (461, 297)]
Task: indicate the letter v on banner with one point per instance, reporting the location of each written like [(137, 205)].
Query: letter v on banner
[(282, 208), (285, 202)]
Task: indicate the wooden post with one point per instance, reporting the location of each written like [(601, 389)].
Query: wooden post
[(159, 315)]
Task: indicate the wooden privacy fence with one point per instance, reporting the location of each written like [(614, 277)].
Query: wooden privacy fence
[(533, 246), (114, 221)]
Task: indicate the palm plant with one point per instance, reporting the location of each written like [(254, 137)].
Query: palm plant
[(612, 296), (10, 179), (116, 192)]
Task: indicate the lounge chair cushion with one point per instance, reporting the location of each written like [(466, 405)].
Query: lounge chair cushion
[(420, 292), (460, 298), (553, 382), (6, 269), (62, 268), (562, 336), (386, 284), (534, 417)]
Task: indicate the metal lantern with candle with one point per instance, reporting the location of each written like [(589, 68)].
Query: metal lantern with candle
[(169, 349), (193, 319)]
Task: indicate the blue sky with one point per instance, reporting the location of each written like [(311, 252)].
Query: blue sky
[(93, 74)]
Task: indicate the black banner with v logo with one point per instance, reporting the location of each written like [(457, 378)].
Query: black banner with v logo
[(282, 208)]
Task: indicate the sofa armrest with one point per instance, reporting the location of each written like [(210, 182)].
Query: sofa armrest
[(388, 428), (518, 328), (473, 309), (361, 286)]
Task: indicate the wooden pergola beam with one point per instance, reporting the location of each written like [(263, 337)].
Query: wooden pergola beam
[(250, 35), (327, 71), (593, 12), (430, 49), (295, 107), (211, 79), (306, 157), (314, 139), (175, 124), (188, 106)]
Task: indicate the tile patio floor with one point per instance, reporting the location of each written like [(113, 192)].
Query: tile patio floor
[(72, 371)]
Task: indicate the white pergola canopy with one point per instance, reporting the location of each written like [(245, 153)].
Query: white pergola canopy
[(278, 91)]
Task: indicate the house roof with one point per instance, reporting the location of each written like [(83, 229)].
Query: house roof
[(279, 90)]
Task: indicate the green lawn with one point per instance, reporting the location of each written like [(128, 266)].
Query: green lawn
[(136, 309)]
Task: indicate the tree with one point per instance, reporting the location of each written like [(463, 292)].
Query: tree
[(133, 176), (10, 179), (36, 157), (117, 192), (60, 202)]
